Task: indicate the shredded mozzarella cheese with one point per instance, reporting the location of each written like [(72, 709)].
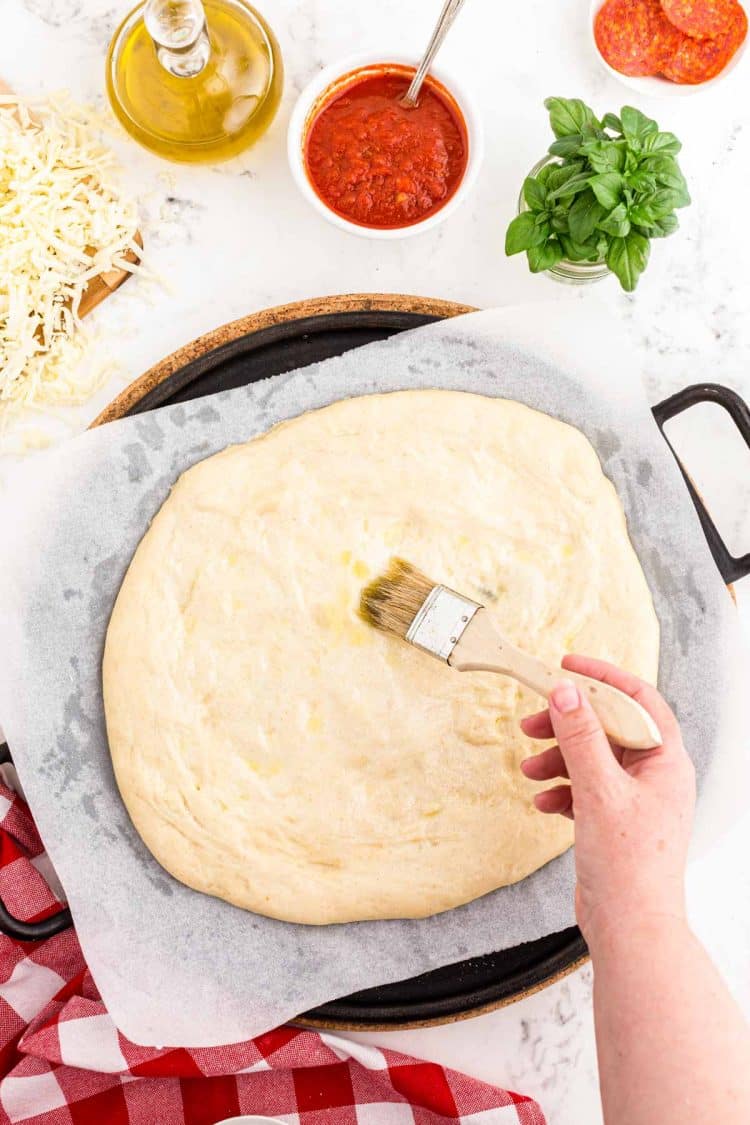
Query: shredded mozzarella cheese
[(62, 222)]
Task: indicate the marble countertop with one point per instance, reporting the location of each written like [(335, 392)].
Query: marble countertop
[(234, 238)]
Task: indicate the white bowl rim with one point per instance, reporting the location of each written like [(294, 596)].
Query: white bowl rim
[(349, 64), (250, 1119), (653, 86)]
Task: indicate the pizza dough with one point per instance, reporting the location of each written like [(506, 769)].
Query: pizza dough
[(277, 752)]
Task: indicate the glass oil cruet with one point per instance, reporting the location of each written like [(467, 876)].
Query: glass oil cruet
[(194, 80)]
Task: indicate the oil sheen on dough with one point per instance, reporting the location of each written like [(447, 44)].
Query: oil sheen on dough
[(274, 750)]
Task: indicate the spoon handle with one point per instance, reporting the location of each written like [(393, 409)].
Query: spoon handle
[(451, 8)]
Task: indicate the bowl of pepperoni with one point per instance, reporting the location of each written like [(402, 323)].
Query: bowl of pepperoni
[(669, 47), (374, 167)]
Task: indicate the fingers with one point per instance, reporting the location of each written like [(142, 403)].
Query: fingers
[(538, 726), (544, 766), (557, 800), (644, 693), (584, 753), (584, 746)]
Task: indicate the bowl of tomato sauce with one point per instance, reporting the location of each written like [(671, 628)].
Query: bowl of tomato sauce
[(374, 167)]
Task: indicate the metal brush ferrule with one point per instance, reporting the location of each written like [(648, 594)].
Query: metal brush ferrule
[(440, 623)]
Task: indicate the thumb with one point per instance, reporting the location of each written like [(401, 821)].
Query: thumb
[(583, 744)]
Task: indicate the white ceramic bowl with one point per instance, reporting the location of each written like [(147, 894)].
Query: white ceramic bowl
[(250, 1119), (657, 87), (306, 106)]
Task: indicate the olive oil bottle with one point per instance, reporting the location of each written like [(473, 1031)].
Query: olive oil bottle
[(194, 81)]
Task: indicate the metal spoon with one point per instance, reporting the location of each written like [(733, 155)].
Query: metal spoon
[(451, 8)]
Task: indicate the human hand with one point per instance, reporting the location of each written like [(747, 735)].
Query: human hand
[(632, 808)]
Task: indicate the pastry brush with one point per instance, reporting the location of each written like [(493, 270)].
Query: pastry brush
[(462, 633)]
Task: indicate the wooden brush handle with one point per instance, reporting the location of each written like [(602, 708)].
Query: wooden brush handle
[(483, 649)]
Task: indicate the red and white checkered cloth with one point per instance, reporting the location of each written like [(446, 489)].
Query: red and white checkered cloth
[(63, 1061)]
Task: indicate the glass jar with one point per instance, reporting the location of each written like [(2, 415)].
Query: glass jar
[(570, 273)]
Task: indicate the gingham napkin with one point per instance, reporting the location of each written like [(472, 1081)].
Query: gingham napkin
[(63, 1061)]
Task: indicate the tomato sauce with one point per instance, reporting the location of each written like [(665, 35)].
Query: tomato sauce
[(378, 164)]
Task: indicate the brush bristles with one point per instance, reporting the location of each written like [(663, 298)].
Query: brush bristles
[(392, 601)]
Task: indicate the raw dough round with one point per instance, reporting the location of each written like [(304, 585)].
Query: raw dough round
[(274, 750)]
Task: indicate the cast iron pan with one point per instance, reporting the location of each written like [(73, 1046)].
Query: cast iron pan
[(280, 340)]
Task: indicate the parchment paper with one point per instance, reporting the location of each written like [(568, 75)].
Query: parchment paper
[(180, 968)]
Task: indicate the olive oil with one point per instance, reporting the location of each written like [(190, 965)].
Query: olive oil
[(201, 92)]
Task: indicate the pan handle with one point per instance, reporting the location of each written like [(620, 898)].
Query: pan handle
[(730, 568), (45, 928)]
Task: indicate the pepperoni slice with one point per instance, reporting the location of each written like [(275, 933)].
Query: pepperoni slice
[(666, 41), (624, 31), (703, 19), (699, 60)]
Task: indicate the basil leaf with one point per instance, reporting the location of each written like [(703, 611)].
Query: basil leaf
[(520, 233), (666, 143), (657, 162), (631, 161), (664, 200), (612, 121), (566, 146), (592, 131), (643, 214), (682, 196), (636, 126), (561, 173), (543, 258), (667, 173), (559, 220), (641, 182), (534, 193), (571, 187), (584, 216), (541, 232), (544, 174), (527, 229), (628, 258), (617, 222), (569, 116), (605, 156), (580, 251), (666, 226), (607, 188)]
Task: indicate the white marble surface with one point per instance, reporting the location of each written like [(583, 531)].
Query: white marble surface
[(236, 238)]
